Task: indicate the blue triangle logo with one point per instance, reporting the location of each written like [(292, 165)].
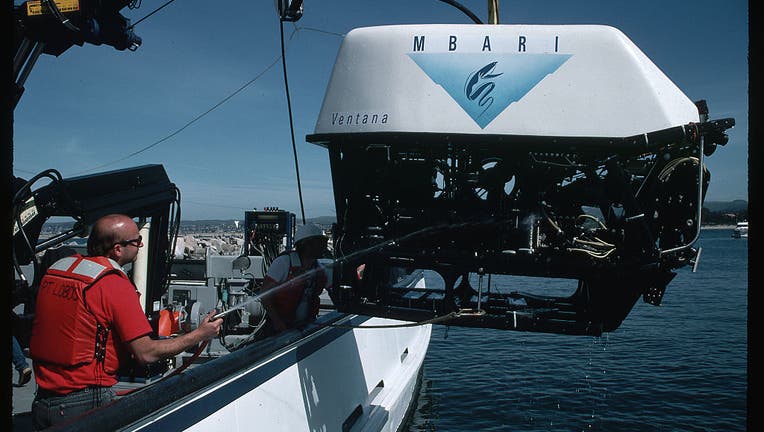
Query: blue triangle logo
[(485, 85)]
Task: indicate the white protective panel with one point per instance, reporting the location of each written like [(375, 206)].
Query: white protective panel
[(540, 80)]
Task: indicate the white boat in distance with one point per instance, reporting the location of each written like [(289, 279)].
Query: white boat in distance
[(740, 230)]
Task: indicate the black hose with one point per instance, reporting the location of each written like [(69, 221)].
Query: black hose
[(291, 123), (464, 9)]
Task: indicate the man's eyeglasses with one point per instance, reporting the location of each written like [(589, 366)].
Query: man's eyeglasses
[(135, 242)]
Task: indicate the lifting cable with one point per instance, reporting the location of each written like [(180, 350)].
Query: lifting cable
[(464, 9), (145, 17), (291, 123)]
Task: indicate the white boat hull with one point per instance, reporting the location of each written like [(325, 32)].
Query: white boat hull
[(317, 384), (333, 376)]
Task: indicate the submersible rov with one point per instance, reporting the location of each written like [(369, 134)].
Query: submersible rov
[(542, 151)]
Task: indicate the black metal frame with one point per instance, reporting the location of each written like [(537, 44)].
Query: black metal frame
[(514, 205), (143, 192)]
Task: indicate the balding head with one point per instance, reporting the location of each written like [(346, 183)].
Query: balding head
[(107, 232)]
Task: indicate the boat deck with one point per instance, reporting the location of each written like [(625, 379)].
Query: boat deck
[(22, 402), (23, 396)]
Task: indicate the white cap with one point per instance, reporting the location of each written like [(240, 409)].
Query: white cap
[(307, 231)]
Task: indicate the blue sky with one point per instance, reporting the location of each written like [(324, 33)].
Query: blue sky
[(88, 109)]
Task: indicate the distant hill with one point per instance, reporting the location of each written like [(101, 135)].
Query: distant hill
[(726, 206), (323, 220)]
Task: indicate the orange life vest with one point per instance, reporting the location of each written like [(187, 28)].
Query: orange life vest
[(65, 332), (298, 302)]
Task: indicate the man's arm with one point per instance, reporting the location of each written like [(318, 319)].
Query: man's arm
[(147, 350)]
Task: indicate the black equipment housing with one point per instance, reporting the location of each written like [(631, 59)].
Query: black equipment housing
[(615, 214), (143, 192)]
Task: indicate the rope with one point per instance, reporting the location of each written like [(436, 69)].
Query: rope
[(152, 13)]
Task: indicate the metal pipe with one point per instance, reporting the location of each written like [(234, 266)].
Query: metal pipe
[(58, 239), (700, 203), (27, 61), (480, 289), (493, 11), (141, 268), (22, 53)]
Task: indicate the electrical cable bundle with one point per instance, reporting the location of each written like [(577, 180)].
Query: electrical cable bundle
[(589, 243)]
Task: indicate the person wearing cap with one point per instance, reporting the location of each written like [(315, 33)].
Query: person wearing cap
[(295, 280)]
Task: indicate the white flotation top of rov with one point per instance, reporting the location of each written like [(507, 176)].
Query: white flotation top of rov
[(524, 80)]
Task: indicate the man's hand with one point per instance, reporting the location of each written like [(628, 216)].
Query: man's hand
[(208, 327)]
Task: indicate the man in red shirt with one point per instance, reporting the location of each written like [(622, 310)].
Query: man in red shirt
[(85, 302)]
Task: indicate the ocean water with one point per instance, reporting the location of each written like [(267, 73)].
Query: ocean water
[(681, 366)]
